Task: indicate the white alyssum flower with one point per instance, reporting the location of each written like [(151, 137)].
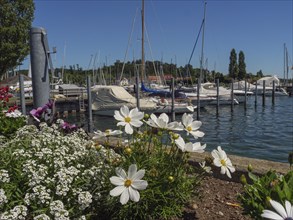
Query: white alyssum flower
[(128, 185), (190, 147), (18, 212), (3, 198), (128, 118), (191, 127), (221, 160), (42, 217), (107, 133), (281, 212), (4, 176), (84, 199), (162, 122)]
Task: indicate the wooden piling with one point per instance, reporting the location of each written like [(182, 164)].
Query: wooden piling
[(173, 99), (263, 92), (273, 93)]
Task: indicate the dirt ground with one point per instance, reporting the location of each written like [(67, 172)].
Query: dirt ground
[(218, 200)]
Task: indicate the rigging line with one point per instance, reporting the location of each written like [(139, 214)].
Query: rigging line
[(150, 50), (188, 71), (129, 39), (196, 41)]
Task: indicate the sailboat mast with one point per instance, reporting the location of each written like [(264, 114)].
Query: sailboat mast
[(142, 41), (202, 45)]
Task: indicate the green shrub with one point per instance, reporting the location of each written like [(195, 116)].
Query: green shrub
[(271, 185)]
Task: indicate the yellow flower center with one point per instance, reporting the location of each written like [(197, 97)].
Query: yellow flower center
[(223, 162), (127, 119), (107, 131), (127, 183), (189, 128)]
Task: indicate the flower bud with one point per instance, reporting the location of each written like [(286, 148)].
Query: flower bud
[(170, 179), (146, 116), (128, 150), (243, 179), (249, 167)]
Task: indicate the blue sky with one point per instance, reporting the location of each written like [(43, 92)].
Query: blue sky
[(83, 29)]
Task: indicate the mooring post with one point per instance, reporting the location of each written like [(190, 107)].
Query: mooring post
[(198, 99), (22, 98), (173, 99), (137, 91), (255, 95), (273, 93), (218, 95), (232, 96), (39, 66), (263, 92), (89, 103), (245, 94)]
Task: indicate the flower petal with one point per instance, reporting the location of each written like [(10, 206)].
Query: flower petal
[(124, 196), (139, 175), (117, 190), (120, 173), (133, 194), (279, 208), (139, 184), (271, 215), (124, 110), (128, 129), (118, 181), (132, 171)]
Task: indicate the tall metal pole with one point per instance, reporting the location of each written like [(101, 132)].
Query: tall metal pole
[(142, 41), (39, 66), (198, 100), (89, 103), (22, 98), (173, 99), (202, 45), (137, 91)]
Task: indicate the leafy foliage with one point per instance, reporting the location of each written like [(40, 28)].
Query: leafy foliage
[(233, 67), (171, 180), (241, 66), (269, 186), (16, 17)]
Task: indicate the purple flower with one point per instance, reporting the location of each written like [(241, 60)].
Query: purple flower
[(50, 104), (37, 113), (68, 127)]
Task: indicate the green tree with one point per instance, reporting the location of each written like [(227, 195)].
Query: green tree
[(241, 66), (259, 74), (16, 17), (233, 67)]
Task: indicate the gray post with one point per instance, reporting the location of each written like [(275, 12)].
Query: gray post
[(137, 92), (198, 99), (22, 98), (89, 101), (255, 94), (245, 93), (218, 96), (39, 66), (273, 93), (232, 96), (263, 92), (173, 99)]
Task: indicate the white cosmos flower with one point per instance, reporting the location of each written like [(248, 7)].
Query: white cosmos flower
[(127, 185), (108, 132), (191, 127), (207, 169), (189, 147), (129, 118), (163, 122), (281, 214), (221, 160)]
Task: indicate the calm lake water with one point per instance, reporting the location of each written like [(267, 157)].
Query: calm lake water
[(264, 132)]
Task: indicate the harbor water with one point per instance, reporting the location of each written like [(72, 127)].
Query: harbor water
[(259, 131)]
